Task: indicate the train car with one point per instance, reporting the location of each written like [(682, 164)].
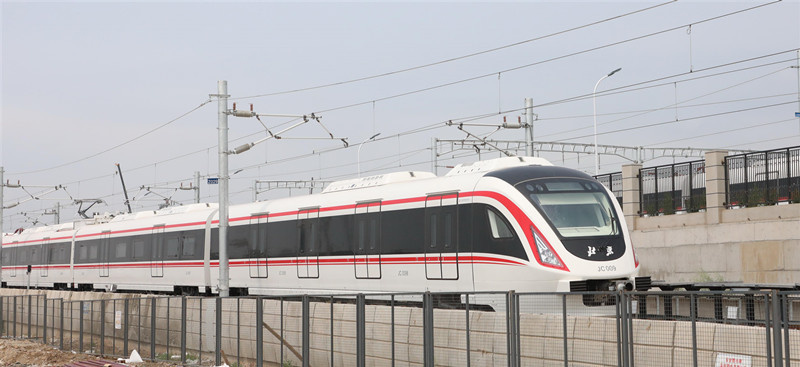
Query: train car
[(515, 223)]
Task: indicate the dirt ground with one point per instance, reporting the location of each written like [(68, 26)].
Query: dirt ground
[(24, 353)]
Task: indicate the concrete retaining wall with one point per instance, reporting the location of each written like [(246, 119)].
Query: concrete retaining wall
[(751, 245)]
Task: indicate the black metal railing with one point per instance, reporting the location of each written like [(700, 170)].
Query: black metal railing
[(613, 181), (672, 188), (763, 178)]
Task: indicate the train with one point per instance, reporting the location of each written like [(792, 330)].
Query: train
[(511, 223)]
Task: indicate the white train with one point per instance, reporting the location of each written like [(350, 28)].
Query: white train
[(516, 223)]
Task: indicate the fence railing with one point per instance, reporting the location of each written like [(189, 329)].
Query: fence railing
[(617, 329), (613, 181), (763, 178), (672, 188)]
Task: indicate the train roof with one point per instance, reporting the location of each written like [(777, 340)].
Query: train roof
[(414, 182)]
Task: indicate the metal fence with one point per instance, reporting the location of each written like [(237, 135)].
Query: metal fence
[(673, 188), (424, 329), (613, 181), (763, 178)]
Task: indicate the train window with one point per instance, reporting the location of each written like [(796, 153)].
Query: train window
[(498, 225), (34, 257), (433, 228), (83, 252), (121, 250), (373, 233), (173, 247), (138, 248), (62, 254), (308, 237), (93, 253), (52, 254), (448, 230), (238, 242), (362, 235), (188, 246), (575, 208)]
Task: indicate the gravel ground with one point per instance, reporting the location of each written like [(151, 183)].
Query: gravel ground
[(24, 353)]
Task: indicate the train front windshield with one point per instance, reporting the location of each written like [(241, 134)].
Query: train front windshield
[(575, 208)]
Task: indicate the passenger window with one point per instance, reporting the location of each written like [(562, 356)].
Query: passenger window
[(498, 225), (173, 247), (433, 231), (138, 249), (83, 252), (121, 250), (188, 246)]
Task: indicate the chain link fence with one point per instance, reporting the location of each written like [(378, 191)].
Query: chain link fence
[(653, 328)]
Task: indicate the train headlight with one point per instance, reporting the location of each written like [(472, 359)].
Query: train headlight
[(546, 254)]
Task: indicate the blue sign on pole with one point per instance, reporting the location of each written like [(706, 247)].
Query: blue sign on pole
[(797, 114), (213, 180)]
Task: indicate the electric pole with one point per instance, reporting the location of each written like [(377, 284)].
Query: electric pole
[(222, 97), (529, 127)]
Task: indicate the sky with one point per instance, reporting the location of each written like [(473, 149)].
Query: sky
[(88, 85)]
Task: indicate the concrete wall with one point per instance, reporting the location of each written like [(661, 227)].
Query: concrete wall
[(751, 245), (591, 341)]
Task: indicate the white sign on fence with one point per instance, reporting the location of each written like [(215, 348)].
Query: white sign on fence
[(118, 320), (733, 360)]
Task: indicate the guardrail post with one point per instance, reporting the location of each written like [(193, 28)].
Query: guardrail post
[(153, 329), (776, 328), (466, 328), (767, 326), (427, 329), (564, 325), (102, 327), (30, 315), (125, 328), (14, 323), (218, 333), (623, 310), (2, 316), (260, 332), (44, 329), (61, 325), (361, 348), (693, 315), (306, 332), (80, 327), (785, 318), (183, 329)]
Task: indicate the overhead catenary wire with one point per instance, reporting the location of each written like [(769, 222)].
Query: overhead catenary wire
[(465, 119), (682, 120), (524, 66), (452, 59), (675, 104), (116, 146)]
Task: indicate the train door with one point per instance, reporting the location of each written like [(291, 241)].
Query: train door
[(44, 269), (258, 245), (157, 255), (308, 238), (14, 256), (105, 240), (367, 246), (441, 236)]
